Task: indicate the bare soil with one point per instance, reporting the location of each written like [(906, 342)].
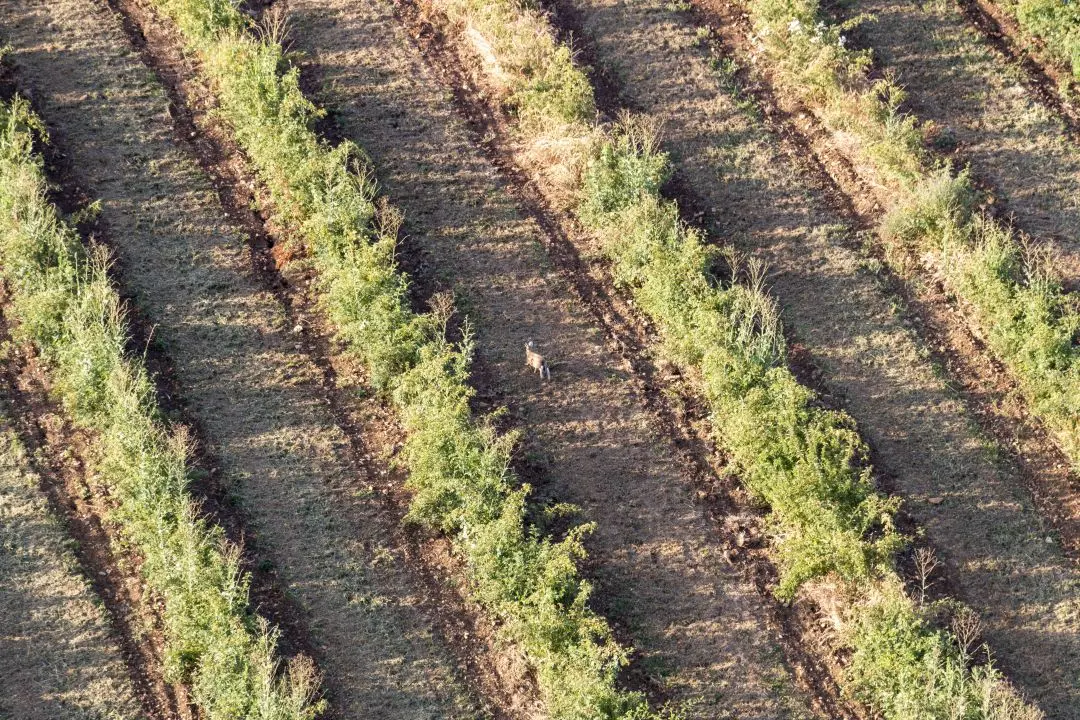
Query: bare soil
[(245, 375), (60, 658), (926, 445), (700, 628), (1052, 81)]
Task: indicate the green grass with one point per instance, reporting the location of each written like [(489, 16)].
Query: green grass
[(459, 467), (67, 308), (807, 463), (1022, 309), (1055, 22)]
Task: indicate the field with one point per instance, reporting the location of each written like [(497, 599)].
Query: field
[(803, 276)]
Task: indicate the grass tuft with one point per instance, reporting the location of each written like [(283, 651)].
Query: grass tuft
[(545, 88)]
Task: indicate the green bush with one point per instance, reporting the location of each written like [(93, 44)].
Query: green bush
[(808, 464), (66, 307), (1056, 23), (1027, 318), (905, 669), (458, 465), (546, 88)]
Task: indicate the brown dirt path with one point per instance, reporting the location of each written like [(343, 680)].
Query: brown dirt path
[(699, 626), (992, 539), (1016, 145), (58, 657), (255, 394)]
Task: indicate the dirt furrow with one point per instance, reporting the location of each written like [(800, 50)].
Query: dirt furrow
[(244, 373), (925, 444), (1045, 78), (59, 657), (699, 627), (983, 113)]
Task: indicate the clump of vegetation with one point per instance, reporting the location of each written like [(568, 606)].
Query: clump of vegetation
[(1023, 309), (67, 308), (546, 88), (1026, 316), (458, 465), (813, 56), (807, 463), (906, 669), (1056, 23)]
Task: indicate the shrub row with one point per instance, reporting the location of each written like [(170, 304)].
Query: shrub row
[(458, 465), (806, 462), (1055, 22), (67, 308), (1024, 314)]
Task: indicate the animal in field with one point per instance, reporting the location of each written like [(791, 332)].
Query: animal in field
[(536, 361)]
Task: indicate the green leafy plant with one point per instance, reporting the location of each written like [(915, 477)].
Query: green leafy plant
[(1056, 23)]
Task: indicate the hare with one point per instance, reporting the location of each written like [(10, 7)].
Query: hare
[(536, 361)]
